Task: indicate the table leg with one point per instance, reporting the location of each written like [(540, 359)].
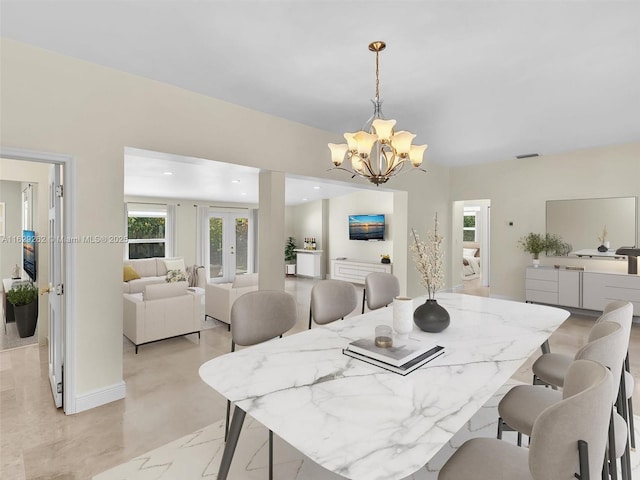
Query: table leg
[(545, 347), (232, 442)]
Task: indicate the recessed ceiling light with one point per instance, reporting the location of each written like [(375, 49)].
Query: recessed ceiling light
[(317, 187), (305, 199), (235, 181), (168, 173), (243, 193)]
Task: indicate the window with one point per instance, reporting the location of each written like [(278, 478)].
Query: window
[(146, 227), (469, 227)]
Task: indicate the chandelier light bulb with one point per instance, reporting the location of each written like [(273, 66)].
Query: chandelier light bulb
[(365, 143), (416, 154), (351, 142), (338, 152), (384, 129)]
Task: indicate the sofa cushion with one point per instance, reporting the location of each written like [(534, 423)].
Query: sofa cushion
[(137, 286), (129, 273), (171, 264), (176, 276), (246, 280), (146, 267), (164, 290)]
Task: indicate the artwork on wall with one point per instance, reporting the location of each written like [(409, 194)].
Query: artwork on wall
[(1, 219)]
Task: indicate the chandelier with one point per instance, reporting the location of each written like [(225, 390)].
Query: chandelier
[(377, 152)]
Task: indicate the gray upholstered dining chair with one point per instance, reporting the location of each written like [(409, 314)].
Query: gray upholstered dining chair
[(519, 408), (380, 288), (255, 318), (550, 368), (568, 437), (625, 310), (331, 300)]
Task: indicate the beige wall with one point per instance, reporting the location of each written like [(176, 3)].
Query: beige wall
[(54, 103), (363, 202), (518, 190), (37, 174)]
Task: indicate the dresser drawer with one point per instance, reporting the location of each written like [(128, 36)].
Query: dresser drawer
[(541, 285), (538, 296), (547, 274)]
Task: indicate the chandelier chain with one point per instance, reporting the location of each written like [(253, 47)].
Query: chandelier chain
[(377, 77)]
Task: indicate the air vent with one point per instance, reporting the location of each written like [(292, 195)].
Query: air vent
[(528, 155)]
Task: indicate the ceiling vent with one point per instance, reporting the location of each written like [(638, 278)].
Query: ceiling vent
[(528, 155)]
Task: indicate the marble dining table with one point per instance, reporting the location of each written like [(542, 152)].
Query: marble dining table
[(361, 421)]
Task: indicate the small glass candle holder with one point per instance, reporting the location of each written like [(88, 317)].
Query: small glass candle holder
[(384, 336)]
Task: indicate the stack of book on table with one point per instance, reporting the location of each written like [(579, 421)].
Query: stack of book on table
[(403, 357)]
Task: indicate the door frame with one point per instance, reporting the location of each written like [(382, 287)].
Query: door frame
[(69, 226)]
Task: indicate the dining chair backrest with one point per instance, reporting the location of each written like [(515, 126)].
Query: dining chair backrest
[(583, 416), (262, 315), (607, 345), (380, 288), (619, 312), (332, 300)]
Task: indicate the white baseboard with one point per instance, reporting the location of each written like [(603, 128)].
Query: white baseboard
[(100, 397)]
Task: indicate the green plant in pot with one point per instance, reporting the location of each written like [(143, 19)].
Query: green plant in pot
[(290, 255), (535, 244), (24, 298)]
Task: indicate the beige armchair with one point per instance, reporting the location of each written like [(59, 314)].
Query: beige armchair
[(162, 311), (219, 297)]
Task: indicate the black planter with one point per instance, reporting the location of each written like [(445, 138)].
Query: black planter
[(26, 318), (385, 260), (431, 317)]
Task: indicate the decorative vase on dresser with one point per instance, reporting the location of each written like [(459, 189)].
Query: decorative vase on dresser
[(431, 317)]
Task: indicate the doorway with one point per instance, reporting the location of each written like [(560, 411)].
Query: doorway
[(230, 244), (55, 260), (471, 255)]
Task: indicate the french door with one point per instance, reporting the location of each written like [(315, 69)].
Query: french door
[(230, 245)]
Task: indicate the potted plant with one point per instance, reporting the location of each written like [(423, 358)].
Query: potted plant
[(290, 256), (24, 298), (535, 244)]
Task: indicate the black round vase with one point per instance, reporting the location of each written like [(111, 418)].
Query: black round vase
[(603, 248), (431, 317), (26, 318)]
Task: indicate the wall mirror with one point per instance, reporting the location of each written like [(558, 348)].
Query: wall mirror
[(580, 223)]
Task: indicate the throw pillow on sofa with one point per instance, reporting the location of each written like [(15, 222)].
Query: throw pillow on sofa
[(176, 276), (177, 264), (129, 273)]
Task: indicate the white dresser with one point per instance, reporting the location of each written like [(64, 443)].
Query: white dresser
[(356, 271), (581, 289)]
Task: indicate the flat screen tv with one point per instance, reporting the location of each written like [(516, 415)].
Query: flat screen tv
[(366, 227), (29, 253)]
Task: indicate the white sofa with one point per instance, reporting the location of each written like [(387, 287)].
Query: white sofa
[(219, 297), (153, 271), (161, 311)]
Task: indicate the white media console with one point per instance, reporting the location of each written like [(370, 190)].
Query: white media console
[(581, 289), (356, 271)]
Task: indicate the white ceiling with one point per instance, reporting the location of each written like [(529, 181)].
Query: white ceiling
[(477, 80), (146, 174)]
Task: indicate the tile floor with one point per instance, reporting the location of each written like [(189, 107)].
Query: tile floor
[(166, 400)]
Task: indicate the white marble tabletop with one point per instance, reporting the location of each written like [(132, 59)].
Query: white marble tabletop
[(363, 422)]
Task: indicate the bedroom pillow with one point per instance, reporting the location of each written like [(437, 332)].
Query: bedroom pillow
[(129, 273), (469, 252), (175, 264)]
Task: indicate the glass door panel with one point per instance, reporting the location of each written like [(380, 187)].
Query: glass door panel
[(216, 247), (241, 245)]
